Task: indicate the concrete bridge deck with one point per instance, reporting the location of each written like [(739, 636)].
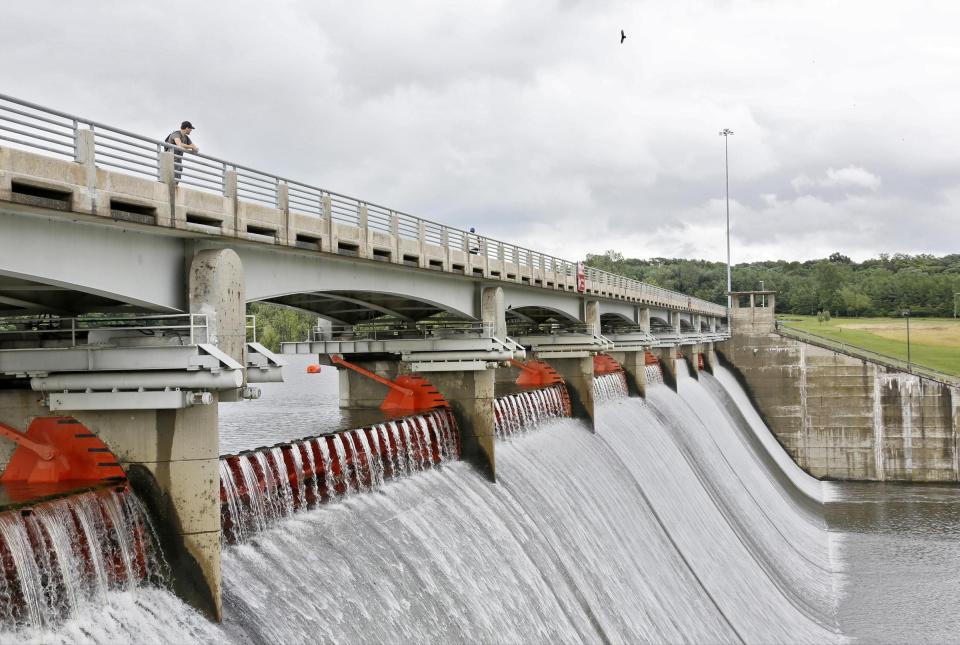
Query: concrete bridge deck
[(96, 221)]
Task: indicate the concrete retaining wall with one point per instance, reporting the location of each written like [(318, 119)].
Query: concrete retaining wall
[(842, 417)]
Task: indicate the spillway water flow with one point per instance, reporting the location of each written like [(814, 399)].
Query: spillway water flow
[(64, 556)]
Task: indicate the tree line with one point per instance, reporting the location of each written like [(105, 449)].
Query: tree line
[(882, 286), (276, 324)]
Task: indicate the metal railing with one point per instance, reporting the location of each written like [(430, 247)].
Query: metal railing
[(862, 353), (550, 329), (85, 330), (401, 331), (33, 127)]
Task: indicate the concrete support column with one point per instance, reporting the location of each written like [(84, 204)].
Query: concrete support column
[(643, 318), (635, 366), (709, 358), (668, 364), (675, 322), (690, 356), (470, 395), (216, 288), (493, 310), (591, 315), (577, 373)]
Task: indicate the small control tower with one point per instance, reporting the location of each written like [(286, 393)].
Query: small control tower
[(752, 312)]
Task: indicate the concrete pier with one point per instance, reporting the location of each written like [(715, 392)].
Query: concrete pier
[(635, 367), (470, 395), (577, 373), (668, 362)]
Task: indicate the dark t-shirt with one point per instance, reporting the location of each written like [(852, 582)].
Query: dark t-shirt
[(174, 136)]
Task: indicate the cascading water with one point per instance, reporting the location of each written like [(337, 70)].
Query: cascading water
[(681, 520), (654, 374), (259, 488), (61, 557), (517, 413), (607, 387)]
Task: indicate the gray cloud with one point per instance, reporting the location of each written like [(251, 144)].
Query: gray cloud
[(531, 122)]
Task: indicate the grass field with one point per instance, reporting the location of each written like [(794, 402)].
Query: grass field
[(934, 342)]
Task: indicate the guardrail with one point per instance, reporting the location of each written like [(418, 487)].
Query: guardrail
[(401, 331), (854, 351), (84, 330), (33, 127)]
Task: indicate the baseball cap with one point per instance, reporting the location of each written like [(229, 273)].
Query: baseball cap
[(186, 124)]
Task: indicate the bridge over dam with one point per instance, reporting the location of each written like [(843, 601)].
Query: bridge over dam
[(126, 268)]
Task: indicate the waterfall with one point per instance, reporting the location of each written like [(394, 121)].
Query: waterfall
[(60, 556), (522, 411), (654, 374), (259, 488), (610, 386)]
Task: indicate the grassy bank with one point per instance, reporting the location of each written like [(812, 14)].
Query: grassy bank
[(934, 342)]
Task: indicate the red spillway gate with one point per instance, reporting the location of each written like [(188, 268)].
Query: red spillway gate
[(408, 392), (56, 449)]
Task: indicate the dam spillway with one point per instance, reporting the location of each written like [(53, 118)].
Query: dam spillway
[(678, 521)]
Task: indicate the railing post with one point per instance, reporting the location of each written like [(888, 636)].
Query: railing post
[(230, 192), (395, 255), (283, 205), (165, 177), (86, 157), (328, 244), (422, 261), (445, 243), (362, 219)]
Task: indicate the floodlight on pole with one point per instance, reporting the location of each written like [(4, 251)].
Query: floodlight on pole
[(725, 133)]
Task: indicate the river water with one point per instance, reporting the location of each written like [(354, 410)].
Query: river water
[(680, 520)]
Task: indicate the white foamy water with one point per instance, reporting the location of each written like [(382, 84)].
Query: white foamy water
[(681, 520)]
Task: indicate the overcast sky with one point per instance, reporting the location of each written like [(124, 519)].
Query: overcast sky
[(531, 122)]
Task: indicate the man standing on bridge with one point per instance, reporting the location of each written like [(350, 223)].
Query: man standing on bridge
[(181, 140)]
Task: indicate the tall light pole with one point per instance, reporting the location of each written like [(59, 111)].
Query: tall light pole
[(906, 315), (725, 133), (955, 303)]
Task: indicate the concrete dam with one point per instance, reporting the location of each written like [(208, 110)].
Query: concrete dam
[(481, 443)]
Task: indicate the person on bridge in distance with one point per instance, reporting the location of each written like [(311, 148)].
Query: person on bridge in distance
[(181, 140), (472, 242)]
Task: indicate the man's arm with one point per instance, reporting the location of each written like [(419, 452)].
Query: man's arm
[(178, 141)]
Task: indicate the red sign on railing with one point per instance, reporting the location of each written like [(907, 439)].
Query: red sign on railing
[(581, 277)]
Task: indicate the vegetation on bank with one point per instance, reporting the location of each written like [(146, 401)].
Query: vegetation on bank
[(934, 342), (276, 324), (884, 286)]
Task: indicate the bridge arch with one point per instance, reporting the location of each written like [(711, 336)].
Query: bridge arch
[(348, 307)]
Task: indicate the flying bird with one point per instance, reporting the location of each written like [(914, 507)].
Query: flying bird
[(623, 36)]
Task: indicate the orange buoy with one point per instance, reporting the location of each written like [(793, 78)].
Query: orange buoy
[(313, 368)]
